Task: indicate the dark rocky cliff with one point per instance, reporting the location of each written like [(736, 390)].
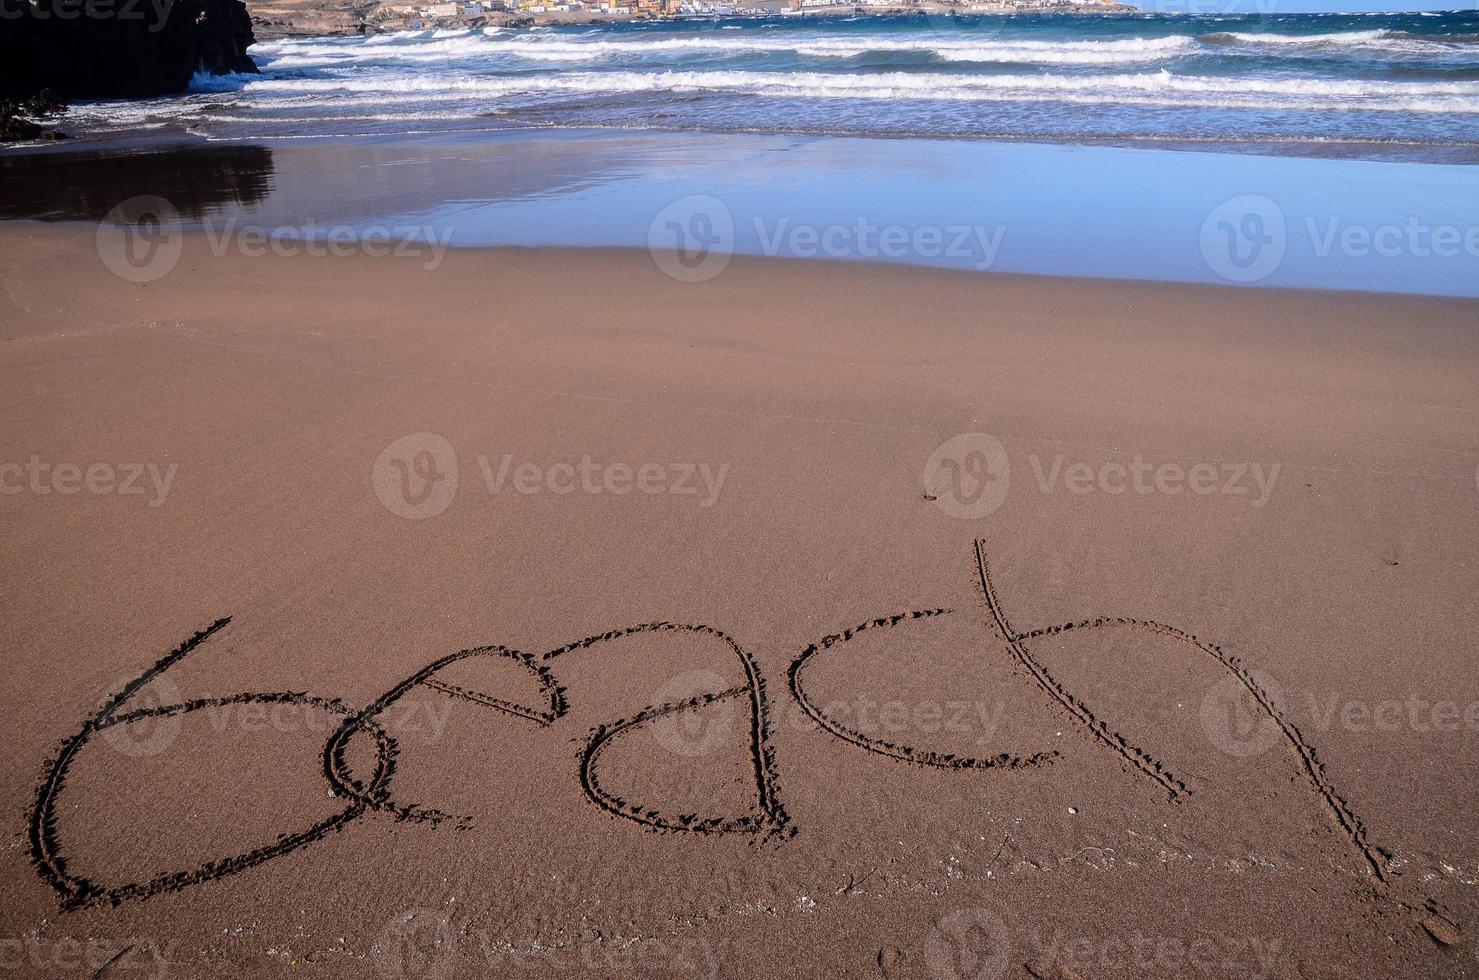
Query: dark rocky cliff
[(83, 49)]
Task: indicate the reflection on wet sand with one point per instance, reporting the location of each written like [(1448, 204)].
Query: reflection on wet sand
[(196, 180), (318, 182), (1099, 212)]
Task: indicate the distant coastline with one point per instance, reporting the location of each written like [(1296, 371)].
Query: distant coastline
[(279, 19)]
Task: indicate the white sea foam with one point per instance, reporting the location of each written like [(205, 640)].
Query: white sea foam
[(1341, 37), (1375, 42), (1149, 88), (928, 80), (452, 46)]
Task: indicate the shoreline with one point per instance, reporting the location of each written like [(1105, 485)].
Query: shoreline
[(1313, 148)]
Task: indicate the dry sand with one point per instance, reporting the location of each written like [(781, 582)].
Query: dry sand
[(950, 793)]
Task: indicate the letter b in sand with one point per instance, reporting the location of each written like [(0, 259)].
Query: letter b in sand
[(967, 477), (415, 477), (692, 239)]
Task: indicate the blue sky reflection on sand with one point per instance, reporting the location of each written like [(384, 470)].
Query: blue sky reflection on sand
[(1058, 210), (1055, 209)]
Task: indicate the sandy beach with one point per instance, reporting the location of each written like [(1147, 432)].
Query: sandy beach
[(871, 620)]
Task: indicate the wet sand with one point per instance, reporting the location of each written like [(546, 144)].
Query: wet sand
[(1061, 210), (762, 584)]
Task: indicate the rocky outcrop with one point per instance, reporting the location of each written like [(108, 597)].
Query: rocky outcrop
[(294, 18), (81, 49)]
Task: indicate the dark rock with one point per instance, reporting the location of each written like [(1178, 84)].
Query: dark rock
[(98, 49), (16, 128), (21, 117)]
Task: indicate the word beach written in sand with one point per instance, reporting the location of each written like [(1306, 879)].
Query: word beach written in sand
[(369, 790)]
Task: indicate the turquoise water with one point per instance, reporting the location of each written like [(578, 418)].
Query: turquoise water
[(1295, 81)]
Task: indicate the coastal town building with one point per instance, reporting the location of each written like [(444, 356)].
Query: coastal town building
[(482, 13)]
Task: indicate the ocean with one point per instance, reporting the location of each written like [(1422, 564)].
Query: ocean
[(1066, 145), (1276, 83)]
